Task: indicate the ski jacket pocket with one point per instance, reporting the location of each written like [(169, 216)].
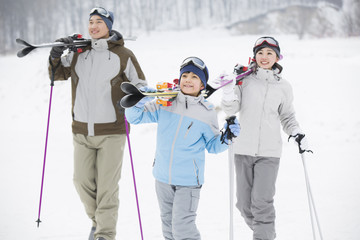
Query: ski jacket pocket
[(195, 197)]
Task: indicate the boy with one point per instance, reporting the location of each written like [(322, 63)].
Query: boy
[(185, 130)]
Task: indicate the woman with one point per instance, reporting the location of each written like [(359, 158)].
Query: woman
[(264, 102)]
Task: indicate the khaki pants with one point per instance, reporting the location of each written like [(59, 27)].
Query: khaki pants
[(255, 190), (97, 171)]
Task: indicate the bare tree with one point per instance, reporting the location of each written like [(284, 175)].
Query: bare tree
[(46, 20)]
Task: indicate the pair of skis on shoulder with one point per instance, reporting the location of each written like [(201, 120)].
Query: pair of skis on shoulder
[(134, 95), (76, 45)]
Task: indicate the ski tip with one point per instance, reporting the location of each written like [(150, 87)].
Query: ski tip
[(25, 51), (130, 100), (22, 42)]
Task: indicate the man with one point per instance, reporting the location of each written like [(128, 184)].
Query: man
[(98, 126)]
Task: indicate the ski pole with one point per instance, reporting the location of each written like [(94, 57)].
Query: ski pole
[(133, 173), (311, 202), (231, 190), (53, 69), (312, 207), (229, 136), (43, 171)]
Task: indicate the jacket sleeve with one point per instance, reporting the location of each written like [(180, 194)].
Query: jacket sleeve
[(133, 71), (287, 112), (62, 67), (212, 137), (147, 114), (214, 145)]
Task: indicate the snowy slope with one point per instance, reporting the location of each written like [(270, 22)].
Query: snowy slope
[(324, 77)]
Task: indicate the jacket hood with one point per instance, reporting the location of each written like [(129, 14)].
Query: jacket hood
[(116, 37)]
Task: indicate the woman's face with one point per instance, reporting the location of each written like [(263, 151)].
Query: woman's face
[(266, 58), (97, 27)]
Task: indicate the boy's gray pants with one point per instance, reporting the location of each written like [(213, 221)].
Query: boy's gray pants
[(178, 206), (255, 190)]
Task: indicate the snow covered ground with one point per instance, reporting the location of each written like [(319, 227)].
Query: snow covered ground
[(324, 77)]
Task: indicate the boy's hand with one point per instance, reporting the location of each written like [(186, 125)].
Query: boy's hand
[(147, 89), (142, 102), (232, 129)]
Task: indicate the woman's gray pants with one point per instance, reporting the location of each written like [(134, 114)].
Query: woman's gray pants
[(178, 205), (255, 190)]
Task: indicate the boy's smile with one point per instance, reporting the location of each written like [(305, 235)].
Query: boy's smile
[(190, 84)]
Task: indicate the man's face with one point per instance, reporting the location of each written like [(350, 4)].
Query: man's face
[(97, 27)]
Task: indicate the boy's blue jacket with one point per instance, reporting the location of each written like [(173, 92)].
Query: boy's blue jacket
[(184, 130)]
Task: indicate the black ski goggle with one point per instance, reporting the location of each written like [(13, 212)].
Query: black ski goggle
[(101, 11), (269, 40)]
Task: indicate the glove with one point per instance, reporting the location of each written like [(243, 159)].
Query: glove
[(147, 89), (302, 142), (228, 89), (232, 129), (56, 52), (142, 102)]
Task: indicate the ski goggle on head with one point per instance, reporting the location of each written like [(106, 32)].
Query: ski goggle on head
[(269, 40), (196, 62), (101, 11)]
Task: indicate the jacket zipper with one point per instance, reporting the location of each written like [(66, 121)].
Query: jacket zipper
[(188, 129), (262, 114), (173, 147)]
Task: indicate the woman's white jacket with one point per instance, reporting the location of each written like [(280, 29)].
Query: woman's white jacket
[(264, 101)]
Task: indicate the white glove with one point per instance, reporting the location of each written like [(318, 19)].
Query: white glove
[(300, 140), (228, 89)]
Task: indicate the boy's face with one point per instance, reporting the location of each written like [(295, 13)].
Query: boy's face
[(191, 84), (97, 27), (266, 58)]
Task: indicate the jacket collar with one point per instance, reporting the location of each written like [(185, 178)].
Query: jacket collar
[(182, 98), (188, 100), (103, 44), (270, 75)]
